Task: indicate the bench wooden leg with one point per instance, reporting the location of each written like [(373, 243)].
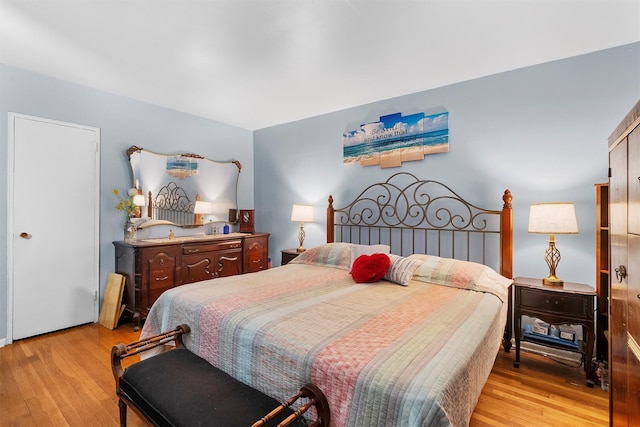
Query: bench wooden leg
[(123, 413), (312, 392), (316, 398)]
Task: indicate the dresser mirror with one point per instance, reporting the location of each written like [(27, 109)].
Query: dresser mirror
[(185, 189)]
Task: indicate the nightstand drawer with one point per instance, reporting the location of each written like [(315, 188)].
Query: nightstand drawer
[(555, 303), (288, 255)]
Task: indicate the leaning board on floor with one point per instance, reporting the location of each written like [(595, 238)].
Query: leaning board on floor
[(111, 304)]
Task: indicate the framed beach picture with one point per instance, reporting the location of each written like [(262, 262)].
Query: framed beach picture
[(396, 138), (182, 166)]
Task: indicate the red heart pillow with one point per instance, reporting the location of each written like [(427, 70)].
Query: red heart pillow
[(370, 268)]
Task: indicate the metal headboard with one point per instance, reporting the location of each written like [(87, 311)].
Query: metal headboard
[(172, 204), (425, 216)]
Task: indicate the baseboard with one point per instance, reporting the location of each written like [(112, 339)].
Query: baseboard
[(3, 342)]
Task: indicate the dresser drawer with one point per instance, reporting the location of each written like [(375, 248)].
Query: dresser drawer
[(256, 253), (162, 278), (195, 248), (553, 302)]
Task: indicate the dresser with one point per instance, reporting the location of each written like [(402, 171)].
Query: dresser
[(624, 274), (153, 266)]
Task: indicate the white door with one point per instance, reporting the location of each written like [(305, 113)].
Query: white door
[(53, 225)]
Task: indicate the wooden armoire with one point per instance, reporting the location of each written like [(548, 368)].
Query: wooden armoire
[(624, 288)]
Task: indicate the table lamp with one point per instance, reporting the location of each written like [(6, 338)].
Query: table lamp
[(200, 209), (301, 214), (138, 199), (551, 219)]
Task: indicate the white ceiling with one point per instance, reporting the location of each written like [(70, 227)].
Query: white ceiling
[(258, 63)]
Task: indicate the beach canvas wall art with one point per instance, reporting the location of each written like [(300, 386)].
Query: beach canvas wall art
[(396, 138), (181, 166)]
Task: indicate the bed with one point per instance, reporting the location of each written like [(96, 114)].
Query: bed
[(412, 349)]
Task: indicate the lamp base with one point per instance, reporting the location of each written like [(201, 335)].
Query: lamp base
[(301, 238), (552, 280), (552, 257)]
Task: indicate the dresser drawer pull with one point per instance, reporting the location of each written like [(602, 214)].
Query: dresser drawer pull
[(160, 279), (193, 251)]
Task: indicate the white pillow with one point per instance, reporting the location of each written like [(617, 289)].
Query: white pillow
[(357, 250)]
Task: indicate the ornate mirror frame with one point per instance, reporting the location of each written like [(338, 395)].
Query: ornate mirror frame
[(172, 183)]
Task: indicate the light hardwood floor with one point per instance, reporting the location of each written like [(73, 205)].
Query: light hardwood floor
[(64, 378)]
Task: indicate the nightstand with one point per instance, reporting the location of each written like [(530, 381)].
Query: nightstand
[(570, 304), (288, 255)]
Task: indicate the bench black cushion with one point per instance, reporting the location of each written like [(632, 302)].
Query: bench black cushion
[(179, 388)]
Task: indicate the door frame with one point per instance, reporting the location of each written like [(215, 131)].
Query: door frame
[(10, 210)]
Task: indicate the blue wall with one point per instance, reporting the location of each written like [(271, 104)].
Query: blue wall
[(123, 122), (540, 131)]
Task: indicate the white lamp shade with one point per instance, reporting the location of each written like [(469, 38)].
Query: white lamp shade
[(553, 218), (202, 207), (138, 200), (302, 213)]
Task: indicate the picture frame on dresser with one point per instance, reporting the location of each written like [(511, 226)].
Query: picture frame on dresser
[(247, 220)]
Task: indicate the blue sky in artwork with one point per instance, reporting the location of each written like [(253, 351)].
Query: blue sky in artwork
[(391, 120), (412, 124), (436, 122)]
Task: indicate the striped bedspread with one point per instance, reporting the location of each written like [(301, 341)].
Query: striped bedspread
[(384, 354)]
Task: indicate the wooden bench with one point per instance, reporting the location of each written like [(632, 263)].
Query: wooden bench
[(179, 388)]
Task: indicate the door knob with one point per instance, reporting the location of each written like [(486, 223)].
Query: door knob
[(25, 235), (621, 273)]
